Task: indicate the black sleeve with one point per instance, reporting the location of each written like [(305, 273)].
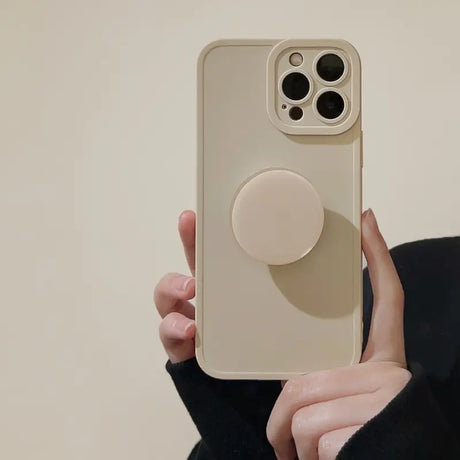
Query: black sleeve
[(231, 417), (411, 426)]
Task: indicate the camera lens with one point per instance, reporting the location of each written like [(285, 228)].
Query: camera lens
[(296, 86), (296, 113), (330, 105), (330, 67)]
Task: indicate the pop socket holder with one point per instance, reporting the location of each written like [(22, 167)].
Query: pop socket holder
[(277, 216)]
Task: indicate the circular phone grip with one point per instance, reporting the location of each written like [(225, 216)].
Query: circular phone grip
[(277, 216)]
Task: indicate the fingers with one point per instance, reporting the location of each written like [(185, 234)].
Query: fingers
[(330, 443), (385, 281), (187, 226), (313, 388), (177, 334), (310, 423), (386, 335), (172, 294)]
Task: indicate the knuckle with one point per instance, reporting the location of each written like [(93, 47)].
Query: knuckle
[(156, 300), (297, 425), (155, 293), (159, 287), (399, 376), (290, 387), (271, 436), (326, 446), (163, 331), (171, 318), (399, 379), (299, 386), (166, 326), (405, 375), (165, 278), (303, 423), (163, 289), (163, 328)]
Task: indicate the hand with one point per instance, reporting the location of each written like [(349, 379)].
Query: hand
[(317, 413), (171, 296)]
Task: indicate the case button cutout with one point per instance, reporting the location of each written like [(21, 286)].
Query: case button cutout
[(277, 216)]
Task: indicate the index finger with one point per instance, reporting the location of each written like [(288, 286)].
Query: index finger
[(386, 334), (187, 226)]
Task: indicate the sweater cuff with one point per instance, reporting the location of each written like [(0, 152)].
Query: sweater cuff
[(226, 423), (411, 426), (182, 367)]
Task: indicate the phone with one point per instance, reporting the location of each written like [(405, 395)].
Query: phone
[(278, 230)]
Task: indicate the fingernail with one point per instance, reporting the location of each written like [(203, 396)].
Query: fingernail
[(182, 282), (183, 212), (188, 326), (372, 217), (369, 214), (186, 283)]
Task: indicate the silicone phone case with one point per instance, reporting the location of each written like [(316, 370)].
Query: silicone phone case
[(278, 236)]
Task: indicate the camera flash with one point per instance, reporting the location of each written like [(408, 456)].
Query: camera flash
[(295, 59)]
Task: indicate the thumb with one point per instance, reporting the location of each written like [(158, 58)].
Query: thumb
[(386, 334)]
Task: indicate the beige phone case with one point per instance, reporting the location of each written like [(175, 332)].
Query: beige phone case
[(278, 241)]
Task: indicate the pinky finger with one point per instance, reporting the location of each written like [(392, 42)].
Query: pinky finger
[(330, 443), (177, 333)]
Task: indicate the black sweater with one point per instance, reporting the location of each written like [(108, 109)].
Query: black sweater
[(421, 422)]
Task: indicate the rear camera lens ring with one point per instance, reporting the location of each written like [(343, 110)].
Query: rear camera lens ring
[(345, 67), (304, 77), (325, 119)]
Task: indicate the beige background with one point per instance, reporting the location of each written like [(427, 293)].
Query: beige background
[(97, 159)]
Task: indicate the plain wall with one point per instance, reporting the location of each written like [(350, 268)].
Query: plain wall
[(97, 160)]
